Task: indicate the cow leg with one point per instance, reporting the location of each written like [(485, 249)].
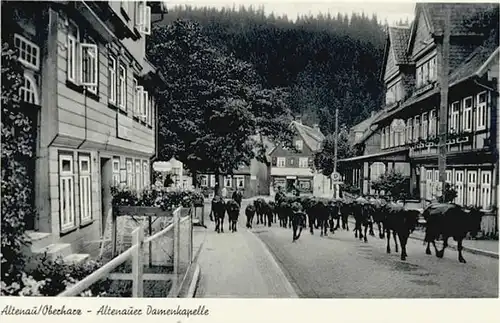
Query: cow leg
[(366, 229), (428, 249), (270, 219), (459, 248), (371, 229), (403, 239), (388, 248), (325, 225), (440, 254), (380, 230), (394, 234)]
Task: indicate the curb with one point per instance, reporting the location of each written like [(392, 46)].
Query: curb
[(194, 282), (288, 286), (486, 253)]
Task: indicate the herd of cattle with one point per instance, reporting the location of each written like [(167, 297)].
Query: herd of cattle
[(442, 220)]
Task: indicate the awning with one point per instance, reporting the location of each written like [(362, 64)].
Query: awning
[(397, 155)]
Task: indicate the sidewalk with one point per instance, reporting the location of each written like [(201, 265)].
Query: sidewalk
[(238, 265), (483, 247)]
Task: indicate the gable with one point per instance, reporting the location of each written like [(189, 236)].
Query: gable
[(391, 68), (421, 35)]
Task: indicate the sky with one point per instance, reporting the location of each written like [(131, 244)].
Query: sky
[(384, 9)]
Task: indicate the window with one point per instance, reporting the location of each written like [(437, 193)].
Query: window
[(138, 95), (122, 87), (116, 171), (424, 125), (204, 180), (448, 176), (436, 181), (472, 188), (426, 72), (228, 181), (382, 139), (432, 123), (416, 128), (409, 130), (303, 162), (89, 66), (124, 5), (151, 111), (29, 91), (481, 112), (486, 189), (299, 145), (428, 184), (212, 180), (29, 53), (467, 120), (138, 173), (85, 189), (130, 178), (432, 69), (387, 137), (145, 173), (455, 114), (281, 162), (419, 76), (459, 187), (240, 181), (66, 193), (112, 80), (144, 105), (143, 17), (391, 137), (291, 161)]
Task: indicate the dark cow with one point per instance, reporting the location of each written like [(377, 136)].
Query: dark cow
[(282, 213), (346, 209), (450, 220), (233, 211), (219, 211), (297, 217), (402, 223), (250, 212), (274, 211), (378, 216), (237, 196), (362, 219), (334, 214), (321, 215), (308, 205), (259, 209)]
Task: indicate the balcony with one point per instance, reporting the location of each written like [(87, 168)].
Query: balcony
[(427, 86)]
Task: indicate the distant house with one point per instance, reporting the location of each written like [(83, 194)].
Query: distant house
[(174, 169), (294, 170)]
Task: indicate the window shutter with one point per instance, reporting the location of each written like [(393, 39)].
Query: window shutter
[(274, 161), (147, 21), (139, 90), (144, 105), (310, 162)]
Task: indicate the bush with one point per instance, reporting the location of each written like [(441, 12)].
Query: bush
[(17, 154), (449, 194), (393, 184)]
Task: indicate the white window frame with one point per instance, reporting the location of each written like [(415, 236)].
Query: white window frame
[(387, 137), (486, 185), (424, 127), (432, 69), (281, 162), (145, 174), (138, 175), (299, 145), (416, 128), (72, 58), (112, 67), (419, 76), (228, 181), (204, 181), (472, 187), (467, 114), (432, 123), (212, 181), (28, 92), (90, 51), (409, 130), (240, 181), (455, 117), (116, 171), (125, 6), (481, 111), (459, 187), (122, 87), (303, 162), (144, 106), (26, 56), (391, 137), (130, 174), (85, 189), (428, 184), (67, 220), (382, 139), (138, 99), (143, 17)]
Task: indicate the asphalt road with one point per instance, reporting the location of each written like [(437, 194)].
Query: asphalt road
[(340, 266)]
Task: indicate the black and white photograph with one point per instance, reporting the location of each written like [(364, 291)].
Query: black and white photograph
[(250, 149)]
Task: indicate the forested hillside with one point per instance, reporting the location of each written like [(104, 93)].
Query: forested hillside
[(325, 61)]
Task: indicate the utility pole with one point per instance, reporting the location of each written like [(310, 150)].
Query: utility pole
[(335, 186), (443, 52)]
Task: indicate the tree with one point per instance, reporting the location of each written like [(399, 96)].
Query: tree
[(212, 103), (324, 158), (394, 184)]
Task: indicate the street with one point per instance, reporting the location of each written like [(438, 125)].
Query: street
[(340, 266)]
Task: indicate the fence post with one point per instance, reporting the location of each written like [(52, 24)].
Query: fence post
[(176, 252), (113, 232), (137, 265), (193, 209)]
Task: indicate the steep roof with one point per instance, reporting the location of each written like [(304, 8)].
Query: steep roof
[(399, 37), (312, 137), (472, 65)]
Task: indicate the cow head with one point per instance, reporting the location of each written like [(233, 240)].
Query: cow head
[(474, 216), (412, 217)]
